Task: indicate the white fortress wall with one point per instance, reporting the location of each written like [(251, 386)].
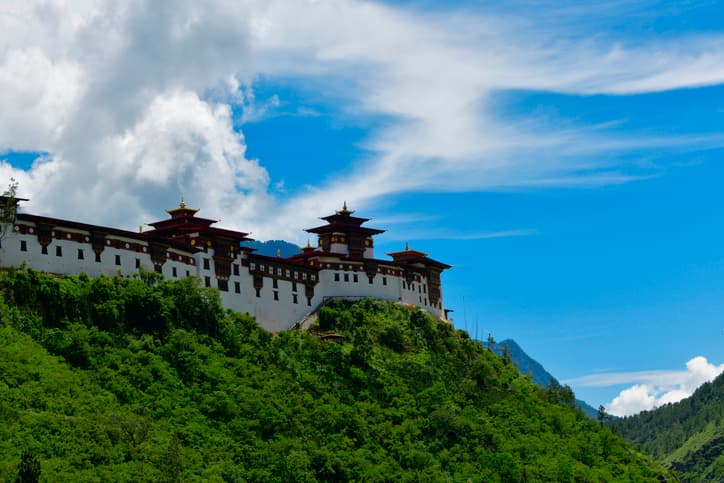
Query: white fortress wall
[(279, 292)]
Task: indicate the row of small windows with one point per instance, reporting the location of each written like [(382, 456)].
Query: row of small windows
[(355, 279), (275, 284), (422, 288), (222, 284), (346, 277), (295, 297), (279, 271), (81, 256), (234, 267)]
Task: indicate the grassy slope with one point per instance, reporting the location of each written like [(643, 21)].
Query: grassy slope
[(121, 380)]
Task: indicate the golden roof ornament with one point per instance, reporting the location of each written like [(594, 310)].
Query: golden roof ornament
[(182, 205), (345, 210), (407, 246), (279, 252)]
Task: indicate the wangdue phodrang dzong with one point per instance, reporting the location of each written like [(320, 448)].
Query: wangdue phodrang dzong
[(280, 292)]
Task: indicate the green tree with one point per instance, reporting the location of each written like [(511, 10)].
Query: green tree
[(507, 356), (28, 469), (602, 415), (173, 464), (8, 208)]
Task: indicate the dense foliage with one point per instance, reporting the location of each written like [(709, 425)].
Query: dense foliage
[(687, 436), (527, 365), (114, 379)]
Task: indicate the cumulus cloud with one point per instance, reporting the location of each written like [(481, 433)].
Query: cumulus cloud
[(652, 388), (132, 101)]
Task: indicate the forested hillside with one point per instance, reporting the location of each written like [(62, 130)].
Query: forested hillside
[(527, 365), (687, 436), (114, 379)]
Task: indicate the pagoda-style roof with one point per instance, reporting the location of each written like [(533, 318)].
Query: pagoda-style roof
[(344, 228), (342, 221), (411, 257), (184, 222)]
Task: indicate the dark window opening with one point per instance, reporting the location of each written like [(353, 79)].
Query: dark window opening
[(118, 259), (294, 286), (371, 279), (188, 274), (58, 251), (236, 269), (173, 272), (258, 292), (336, 277), (237, 287), (309, 301), (44, 249), (206, 264), (223, 285), (275, 284), (354, 278), (207, 281), (403, 284), (23, 246), (138, 263), (346, 277), (81, 255), (276, 295), (294, 298), (98, 257), (158, 268), (384, 280)]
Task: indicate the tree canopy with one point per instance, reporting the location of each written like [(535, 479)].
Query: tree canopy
[(118, 379)]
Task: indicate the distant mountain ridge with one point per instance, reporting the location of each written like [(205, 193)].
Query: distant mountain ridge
[(687, 436), (528, 365), (273, 248)]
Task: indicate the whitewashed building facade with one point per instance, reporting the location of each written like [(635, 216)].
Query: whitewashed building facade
[(278, 292)]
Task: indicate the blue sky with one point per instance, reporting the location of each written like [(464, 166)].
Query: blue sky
[(620, 277), (564, 157)]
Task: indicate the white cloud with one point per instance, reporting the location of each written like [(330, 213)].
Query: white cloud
[(132, 101), (652, 389), (433, 234)]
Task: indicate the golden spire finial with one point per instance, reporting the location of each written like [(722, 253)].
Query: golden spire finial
[(407, 246), (140, 228), (182, 204), (345, 211), (309, 245), (279, 252)]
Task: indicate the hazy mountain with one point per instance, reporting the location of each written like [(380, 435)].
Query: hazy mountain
[(272, 248), (687, 436), (528, 365)]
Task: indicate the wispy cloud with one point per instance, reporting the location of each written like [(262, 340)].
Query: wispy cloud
[(454, 236), (639, 377), (107, 89)]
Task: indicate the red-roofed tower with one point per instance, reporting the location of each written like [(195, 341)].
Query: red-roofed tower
[(344, 235)]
